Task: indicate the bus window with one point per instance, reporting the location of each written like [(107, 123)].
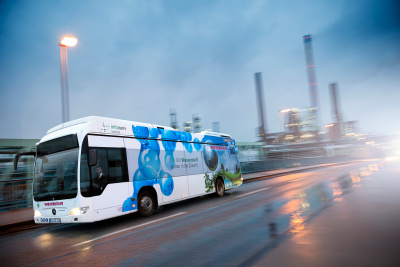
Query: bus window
[(85, 178), (115, 158), (100, 172), (110, 168)]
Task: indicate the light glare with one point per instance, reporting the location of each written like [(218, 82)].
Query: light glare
[(69, 41), (79, 211)]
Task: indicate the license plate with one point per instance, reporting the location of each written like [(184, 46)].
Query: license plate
[(50, 220)]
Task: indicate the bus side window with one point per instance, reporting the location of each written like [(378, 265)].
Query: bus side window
[(100, 172), (116, 165), (85, 179)]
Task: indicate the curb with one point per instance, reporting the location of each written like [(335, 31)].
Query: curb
[(15, 227)]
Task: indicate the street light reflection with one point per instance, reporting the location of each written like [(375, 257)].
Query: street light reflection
[(290, 213), (44, 241), (297, 222)]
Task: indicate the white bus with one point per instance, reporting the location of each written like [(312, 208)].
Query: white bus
[(96, 168)]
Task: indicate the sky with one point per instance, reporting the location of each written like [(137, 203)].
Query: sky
[(135, 60)]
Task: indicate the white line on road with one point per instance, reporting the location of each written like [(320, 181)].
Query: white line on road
[(256, 191), (127, 229), (295, 180)]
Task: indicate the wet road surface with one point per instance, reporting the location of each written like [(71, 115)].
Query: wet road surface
[(266, 222)]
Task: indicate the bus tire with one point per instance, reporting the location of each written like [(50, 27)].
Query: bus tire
[(219, 187), (146, 203)]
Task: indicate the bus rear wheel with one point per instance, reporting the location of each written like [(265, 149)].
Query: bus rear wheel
[(219, 187), (146, 204)]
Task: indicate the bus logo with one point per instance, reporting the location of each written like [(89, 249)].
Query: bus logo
[(60, 203)]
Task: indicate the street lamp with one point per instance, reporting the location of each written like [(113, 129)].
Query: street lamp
[(67, 41)]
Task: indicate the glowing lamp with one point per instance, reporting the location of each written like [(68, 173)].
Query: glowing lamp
[(69, 41)]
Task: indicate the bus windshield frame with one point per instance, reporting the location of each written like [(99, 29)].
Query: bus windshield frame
[(56, 169)]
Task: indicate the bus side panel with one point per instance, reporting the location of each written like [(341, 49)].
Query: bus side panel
[(136, 178), (221, 161), (132, 153), (105, 141), (109, 203), (173, 182), (234, 178), (214, 163), (196, 170)]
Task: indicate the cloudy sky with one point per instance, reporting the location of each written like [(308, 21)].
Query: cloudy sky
[(137, 59)]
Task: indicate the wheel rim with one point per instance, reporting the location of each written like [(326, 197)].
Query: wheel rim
[(220, 187), (146, 204)]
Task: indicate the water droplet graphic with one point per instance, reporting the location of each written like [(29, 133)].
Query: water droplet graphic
[(210, 157)]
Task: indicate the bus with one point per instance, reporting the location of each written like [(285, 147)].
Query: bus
[(95, 168)]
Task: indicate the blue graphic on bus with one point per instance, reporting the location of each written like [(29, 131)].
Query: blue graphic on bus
[(150, 171)]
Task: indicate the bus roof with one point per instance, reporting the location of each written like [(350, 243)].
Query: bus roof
[(102, 119), (103, 125)]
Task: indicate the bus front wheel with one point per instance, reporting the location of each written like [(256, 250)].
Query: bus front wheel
[(219, 188), (146, 204)]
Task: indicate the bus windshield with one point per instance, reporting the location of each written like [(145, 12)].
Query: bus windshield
[(56, 175)]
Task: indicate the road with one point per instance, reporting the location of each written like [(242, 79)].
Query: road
[(243, 228)]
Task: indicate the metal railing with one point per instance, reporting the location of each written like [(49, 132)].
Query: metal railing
[(15, 187)]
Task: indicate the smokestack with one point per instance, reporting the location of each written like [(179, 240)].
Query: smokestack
[(262, 133), (335, 104), (174, 123), (312, 81)]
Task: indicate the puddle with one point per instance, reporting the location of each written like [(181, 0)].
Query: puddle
[(288, 215)]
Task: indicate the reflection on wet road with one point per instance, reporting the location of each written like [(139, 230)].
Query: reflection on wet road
[(238, 229), (289, 213)]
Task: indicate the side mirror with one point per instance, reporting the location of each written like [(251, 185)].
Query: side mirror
[(92, 157), (16, 158)]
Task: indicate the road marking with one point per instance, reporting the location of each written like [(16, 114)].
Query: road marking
[(127, 229), (256, 191), (296, 180)]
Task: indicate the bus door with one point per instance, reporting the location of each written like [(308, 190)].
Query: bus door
[(109, 176)]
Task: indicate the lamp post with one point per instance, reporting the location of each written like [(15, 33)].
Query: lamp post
[(67, 41)]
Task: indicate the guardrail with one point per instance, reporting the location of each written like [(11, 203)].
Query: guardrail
[(274, 164)]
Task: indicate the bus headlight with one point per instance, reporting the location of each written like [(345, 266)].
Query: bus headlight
[(78, 211), (37, 213)]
